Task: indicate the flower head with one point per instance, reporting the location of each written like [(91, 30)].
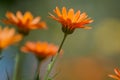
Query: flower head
[(40, 49), (24, 22), (117, 76), (71, 20), (8, 37)]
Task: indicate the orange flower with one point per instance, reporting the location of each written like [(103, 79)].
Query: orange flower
[(117, 76), (40, 49), (71, 20), (8, 37), (24, 22)]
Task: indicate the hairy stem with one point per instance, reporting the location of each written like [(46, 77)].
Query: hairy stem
[(50, 66)]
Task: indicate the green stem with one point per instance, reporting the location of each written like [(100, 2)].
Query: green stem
[(7, 74), (65, 35), (37, 77), (18, 57), (50, 66), (16, 71)]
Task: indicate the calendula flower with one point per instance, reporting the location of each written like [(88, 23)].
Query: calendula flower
[(40, 49), (117, 76), (70, 20), (8, 37), (24, 22)]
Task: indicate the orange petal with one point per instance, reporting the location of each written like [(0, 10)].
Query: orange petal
[(17, 38), (5, 30), (117, 71), (19, 15), (70, 14), (114, 76), (27, 17), (5, 43), (25, 49), (57, 11), (30, 46), (76, 16), (64, 13), (11, 17), (38, 25), (82, 17), (42, 24), (52, 16), (87, 21), (36, 20), (9, 34)]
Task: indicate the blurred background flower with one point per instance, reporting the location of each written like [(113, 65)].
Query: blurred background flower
[(100, 44), (41, 50), (116, 75), (25, 22), (8, 37)]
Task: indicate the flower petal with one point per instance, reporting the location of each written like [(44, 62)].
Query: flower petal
[(17, 38), (27, 18), (114, 76), (57, 11), (11, 17), (53, 17), (36, 20), (64, 13), (117, 71), (71, 14), (19, 15), (82, 17), (76, 16)]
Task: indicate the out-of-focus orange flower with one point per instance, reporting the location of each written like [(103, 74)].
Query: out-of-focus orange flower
[(71, 20), (24, 22), (8, 37), (117, 76), (40, 49)]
